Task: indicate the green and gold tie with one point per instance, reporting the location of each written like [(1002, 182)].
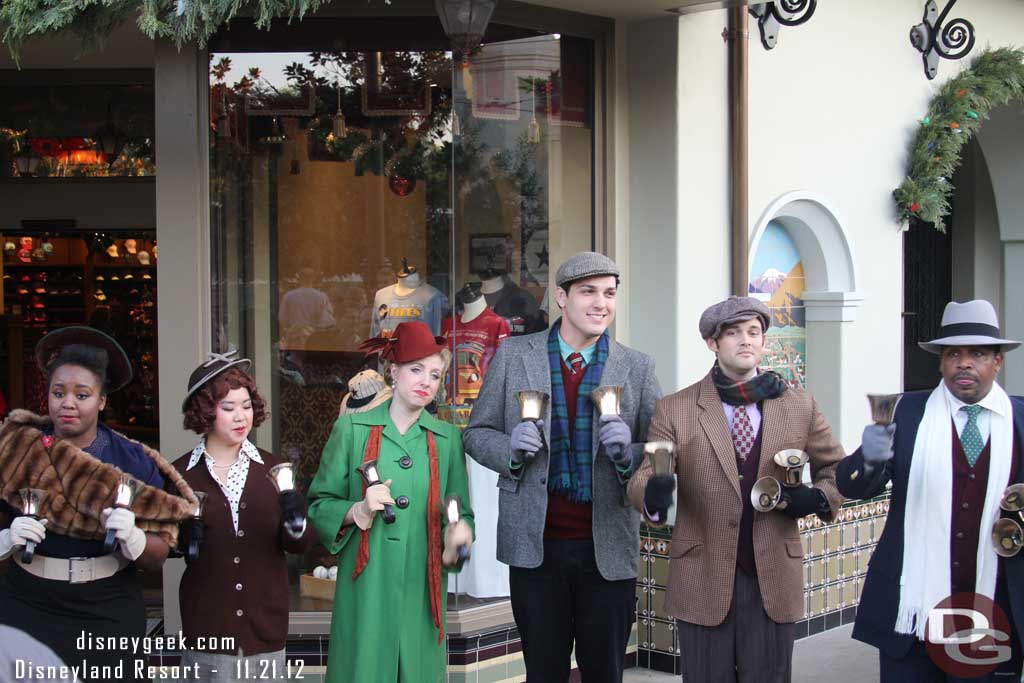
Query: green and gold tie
[(970, 437)]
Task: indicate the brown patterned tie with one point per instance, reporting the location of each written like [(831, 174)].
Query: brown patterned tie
[(742, 432), (575, 362)]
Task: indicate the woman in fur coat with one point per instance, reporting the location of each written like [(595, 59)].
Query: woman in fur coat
[(73, 595)]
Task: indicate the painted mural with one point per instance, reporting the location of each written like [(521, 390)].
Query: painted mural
[(777, 278)]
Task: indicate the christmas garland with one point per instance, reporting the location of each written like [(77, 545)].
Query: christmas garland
[(182, 21), (995, 78)]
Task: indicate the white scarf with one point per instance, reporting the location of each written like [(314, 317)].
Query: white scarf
[(926, 524)]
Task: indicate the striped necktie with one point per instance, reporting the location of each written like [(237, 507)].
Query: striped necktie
[(575, 362)]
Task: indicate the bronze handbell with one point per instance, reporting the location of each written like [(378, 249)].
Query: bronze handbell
[(451, 507), (768, 493), (31, 503), (127, 489), (533, 406), (192, 552), (608, 401), (1007, 535), (883, 407)]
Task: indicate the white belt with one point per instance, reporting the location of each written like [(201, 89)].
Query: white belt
[(75, 569)]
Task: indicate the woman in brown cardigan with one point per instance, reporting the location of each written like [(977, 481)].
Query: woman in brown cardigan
[(234, 594)]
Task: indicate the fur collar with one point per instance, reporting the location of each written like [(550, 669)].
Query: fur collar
[(80, 486)]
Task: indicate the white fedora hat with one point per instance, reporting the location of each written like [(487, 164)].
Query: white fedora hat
[(972, 323)]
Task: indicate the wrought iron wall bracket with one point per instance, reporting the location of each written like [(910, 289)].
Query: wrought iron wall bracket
[(936, 39), (771, 16)]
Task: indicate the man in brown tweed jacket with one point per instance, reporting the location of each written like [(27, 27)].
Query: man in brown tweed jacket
[(736, 575)]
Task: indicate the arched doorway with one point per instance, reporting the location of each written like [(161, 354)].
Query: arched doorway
[(980, 256)]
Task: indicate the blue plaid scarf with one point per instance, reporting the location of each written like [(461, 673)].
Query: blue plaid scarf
[(570, 473)]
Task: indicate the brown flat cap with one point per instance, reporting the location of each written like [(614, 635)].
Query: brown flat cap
[(735, 309)]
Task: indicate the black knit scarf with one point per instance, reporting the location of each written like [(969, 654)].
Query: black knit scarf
[(764, 385)]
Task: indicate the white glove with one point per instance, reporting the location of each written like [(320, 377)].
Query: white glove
[(373, 501), (22, 529), (132, 539)]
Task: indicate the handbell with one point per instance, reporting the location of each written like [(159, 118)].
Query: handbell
[(453, 513), (766, 495), (662, 454), (533, 405), (883, 407), (192, 551), (368, 471), (283, 477), (127, 489), (1013, 500), (607, 400), (1007, 537), (793, 460), (31, 504)]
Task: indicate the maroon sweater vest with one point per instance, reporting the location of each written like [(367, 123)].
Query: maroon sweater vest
[(748, 476), (567, 520), (969, 485)]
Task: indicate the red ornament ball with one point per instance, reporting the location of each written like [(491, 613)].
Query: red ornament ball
[(401, 186), (914, 207)]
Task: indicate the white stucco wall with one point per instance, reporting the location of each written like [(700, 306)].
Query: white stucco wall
[(832, 111)]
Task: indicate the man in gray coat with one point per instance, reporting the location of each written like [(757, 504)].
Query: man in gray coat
[(565, 526)]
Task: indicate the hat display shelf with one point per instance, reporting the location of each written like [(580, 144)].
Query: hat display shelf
[(58, 277)]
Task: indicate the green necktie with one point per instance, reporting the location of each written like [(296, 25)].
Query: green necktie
[(970, 437)]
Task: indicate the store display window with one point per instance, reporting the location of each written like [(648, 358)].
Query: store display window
[(104, 280), (77, 124), (354, 190)]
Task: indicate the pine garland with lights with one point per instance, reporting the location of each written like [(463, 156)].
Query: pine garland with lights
[(995, 78), (182, 21)]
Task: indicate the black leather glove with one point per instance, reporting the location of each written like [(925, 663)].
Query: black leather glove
[(658, 496), (293, 511), (190, 538), (804, 500)]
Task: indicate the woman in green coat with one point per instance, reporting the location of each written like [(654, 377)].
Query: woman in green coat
[(389, 604)]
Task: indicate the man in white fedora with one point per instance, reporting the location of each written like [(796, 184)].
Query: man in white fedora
[(950, 454)]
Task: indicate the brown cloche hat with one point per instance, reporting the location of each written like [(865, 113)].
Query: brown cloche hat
[(119, 370)]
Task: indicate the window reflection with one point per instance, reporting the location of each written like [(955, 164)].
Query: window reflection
[(351, 191)]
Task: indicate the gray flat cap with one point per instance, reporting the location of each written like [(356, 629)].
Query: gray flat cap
[(585, 264), (733, 310)]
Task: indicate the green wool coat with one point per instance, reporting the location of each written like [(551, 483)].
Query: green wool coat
[(382, 629)]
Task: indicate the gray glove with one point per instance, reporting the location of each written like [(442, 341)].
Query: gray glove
[(616, 438), (525, 441), (876, 444)]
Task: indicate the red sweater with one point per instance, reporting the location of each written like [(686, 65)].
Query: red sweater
[(565, 519)]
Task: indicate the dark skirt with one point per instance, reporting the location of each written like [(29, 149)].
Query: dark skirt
[(79, 621)]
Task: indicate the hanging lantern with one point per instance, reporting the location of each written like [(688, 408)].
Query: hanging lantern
[(27, 161), (340, 129), (110, 140), (224, 120), (533, 130), (464, 22)]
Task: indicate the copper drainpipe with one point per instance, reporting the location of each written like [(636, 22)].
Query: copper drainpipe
[(736, 35)]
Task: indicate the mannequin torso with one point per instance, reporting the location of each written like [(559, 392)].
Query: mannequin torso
[(492, 285), (473, 309), (407, 284)]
